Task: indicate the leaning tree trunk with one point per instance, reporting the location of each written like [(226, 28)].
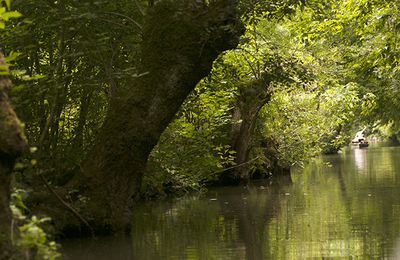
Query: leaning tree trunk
[(181, 39), (12, 144)]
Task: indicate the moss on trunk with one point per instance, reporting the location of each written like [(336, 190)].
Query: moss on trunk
[(12, 144)]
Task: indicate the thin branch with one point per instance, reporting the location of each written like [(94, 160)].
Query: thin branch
[(235, 166), (139, 7), (126, 17), (65, 204)]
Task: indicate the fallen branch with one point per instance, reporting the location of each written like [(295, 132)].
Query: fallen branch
[(66, 205)]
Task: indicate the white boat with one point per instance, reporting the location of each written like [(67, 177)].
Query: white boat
[(359, 140)]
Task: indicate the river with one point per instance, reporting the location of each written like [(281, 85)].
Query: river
[(339, 206)]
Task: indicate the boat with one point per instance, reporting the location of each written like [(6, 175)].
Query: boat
[(363, 144), (359, 140)]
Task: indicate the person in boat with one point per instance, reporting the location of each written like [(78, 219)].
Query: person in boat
[(359, 138)]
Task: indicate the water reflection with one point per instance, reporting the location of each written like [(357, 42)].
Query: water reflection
[(360, 158), (102, 248), (229, 223), (341, 206)]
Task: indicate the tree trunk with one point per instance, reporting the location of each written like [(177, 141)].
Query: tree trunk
[(86, 98), (181, 39), (6, 165), (242, 142), (252, 98), (12, 144)]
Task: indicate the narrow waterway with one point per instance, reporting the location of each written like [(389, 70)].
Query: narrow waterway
[(340, 206)]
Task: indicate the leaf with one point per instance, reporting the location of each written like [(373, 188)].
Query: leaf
[(12, 56), (8, 15), (8, 3), (3, 67)]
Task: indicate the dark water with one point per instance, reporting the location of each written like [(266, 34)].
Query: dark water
[(343, 206)]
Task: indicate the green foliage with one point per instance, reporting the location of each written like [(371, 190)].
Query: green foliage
[(194, 146), (292, 120), (320, 70), (331, 67), (303, 119), (254, 11), (31, 238), (358, 38), (6, 15), (73, 56)]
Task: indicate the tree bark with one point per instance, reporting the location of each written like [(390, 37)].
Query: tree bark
[(12, 144), (86, 98), (181, 39), (252, 97)]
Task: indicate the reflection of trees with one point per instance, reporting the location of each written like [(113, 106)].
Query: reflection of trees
[(374, 198), (338, 167), (253, 210), (101, 248), (186, 229), (344, 212), (229, 224), (329, 212)]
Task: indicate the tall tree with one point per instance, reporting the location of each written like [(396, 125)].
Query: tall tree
[(181, 39)]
